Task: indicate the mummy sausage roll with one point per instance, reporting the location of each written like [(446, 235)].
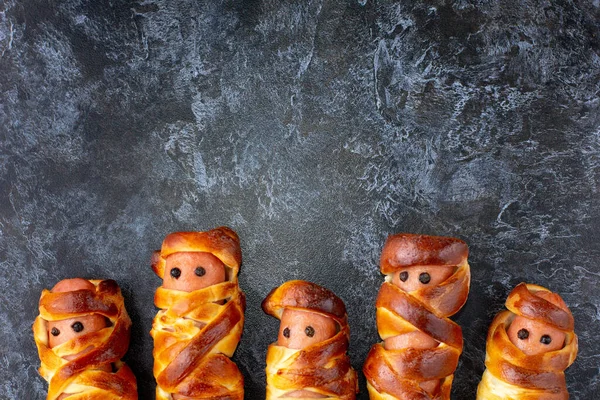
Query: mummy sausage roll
[(201, 318), (529, 347), (81, 334), (309, 358), (427, 280)]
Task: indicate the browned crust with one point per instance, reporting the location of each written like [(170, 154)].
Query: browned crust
[(404, 305), (406, 250), (382, 373), (305, 296), (106, 300), (192, 367), (197, 366), (398, 372), (544, 372), (221, 242), (196, 350), (324, 366), (523, 301), (208, 382), (312, 370)]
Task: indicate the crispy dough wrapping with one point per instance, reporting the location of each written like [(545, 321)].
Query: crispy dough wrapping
[(397, 373), (98, 374), (322, 368), (195, 333), (511, 374)]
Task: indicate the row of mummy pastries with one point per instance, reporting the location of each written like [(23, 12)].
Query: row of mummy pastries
[(201, 309), (201, 319), (427, 280)]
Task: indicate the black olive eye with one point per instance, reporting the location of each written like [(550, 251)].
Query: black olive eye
[(545, 339), (403, 276), (77, 326), (523, 334), (175, 273), (424, 278), (55, 332), (200, 271), (309, 331), (286, 332)]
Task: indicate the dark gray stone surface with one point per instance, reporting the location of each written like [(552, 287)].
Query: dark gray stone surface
[(314, 129)]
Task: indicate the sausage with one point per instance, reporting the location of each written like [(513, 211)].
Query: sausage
[(70, 285), (414, 339), (300, 329), (201, 315), (309, 358), (85, 323), (304, 394), (62, 331), (427, 281), (535, 337), (189, 271), (417, 277)]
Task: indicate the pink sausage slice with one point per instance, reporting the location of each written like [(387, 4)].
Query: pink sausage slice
[(304, 394), (430, 387), (415, 340), (300, 329), (70, 285), (535, 337), (418, 277), (189, 271), (64, 330)]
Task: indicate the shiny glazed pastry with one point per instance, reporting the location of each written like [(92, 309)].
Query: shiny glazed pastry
[(529, 347), (427, 281), (309, 358), (201, 316), (81, 334)]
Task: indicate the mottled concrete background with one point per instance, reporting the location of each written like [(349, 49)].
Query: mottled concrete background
[(314, 129)]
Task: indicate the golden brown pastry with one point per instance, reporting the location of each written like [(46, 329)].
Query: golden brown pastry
[(529, 347), (81, 334), (427, 281), (309, 358), (201, 318)]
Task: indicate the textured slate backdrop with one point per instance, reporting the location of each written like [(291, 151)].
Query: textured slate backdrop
[(314, 129)]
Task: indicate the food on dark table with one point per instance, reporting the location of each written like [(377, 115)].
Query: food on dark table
[(427, 281), (201, 316)]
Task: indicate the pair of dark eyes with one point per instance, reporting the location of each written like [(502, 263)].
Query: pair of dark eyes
[(176, 272), (524, 334), (308, 331), (76, 326), (424, 277)]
